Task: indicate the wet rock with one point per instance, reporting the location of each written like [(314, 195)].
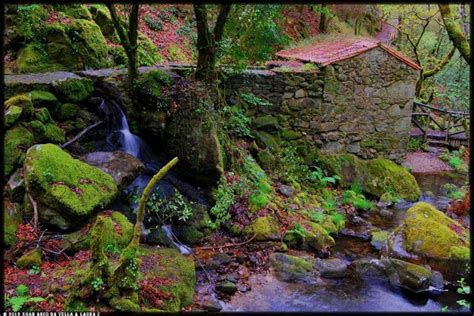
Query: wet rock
[(291, 268), (122, 166), (369, 268), (331, 268), (378, 239), (437, 280), (364, 235), (226, 287), (218, 260), (407, 275), (211, 304), (385, 213), (433, 237), (286, 190), (264, 228)]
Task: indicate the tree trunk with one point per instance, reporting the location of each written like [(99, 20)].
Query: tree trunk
[(455, 32), (323, 19)]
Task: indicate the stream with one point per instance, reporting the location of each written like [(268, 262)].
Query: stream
[(352, 294)]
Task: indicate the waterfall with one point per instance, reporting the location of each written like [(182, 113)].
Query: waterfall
[(185, 250), (128, 141)]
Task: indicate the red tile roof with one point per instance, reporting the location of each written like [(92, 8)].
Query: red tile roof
[(329, 51)]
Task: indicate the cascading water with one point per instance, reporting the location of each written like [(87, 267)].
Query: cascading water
[(128, 142), (120, 138)]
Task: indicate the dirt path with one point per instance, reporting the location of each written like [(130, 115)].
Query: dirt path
[(423, 162)]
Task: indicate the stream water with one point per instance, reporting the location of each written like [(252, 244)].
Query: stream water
[(352, 294)]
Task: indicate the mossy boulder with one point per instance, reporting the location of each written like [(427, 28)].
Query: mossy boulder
[(116, 233), (22, 101), (67, 111), (147, 52), (73, 89), (289, 268), (60, 48), (378, 239), (17, 140), (42, 115), (69, 189), (34, 58), (428, 234), (12, 114), (169, 264), (313, 236), (88, 41), (375, 176), (196, 228), (47, 133), (264, 228), (41, 98), (11, 220), (77, 11), (266, 140), (101, 15), (150, 87), (29, 259), (289, 135)]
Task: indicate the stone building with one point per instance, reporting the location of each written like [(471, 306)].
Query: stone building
[(347, 95)]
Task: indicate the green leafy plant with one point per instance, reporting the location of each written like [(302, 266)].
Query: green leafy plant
[(338, 220), (97, 284), (317, 217), (253, 100), (153, 24), (111, 248), (236, 122), (17, 302), (319, 180), (416, 144), (299, 231), (224, 196), (34, 270)]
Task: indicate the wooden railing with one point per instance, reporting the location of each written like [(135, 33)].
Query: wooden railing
[(450, 123)]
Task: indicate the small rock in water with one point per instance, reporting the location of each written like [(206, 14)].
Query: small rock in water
[(226, 287), (385, 213), (428, 194), (219, 259), (437, 280), (211, 304), (286, 190), (378, 239), (331, 268)]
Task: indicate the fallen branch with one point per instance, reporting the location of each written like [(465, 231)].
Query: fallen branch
[(85, 130), (228, 245)]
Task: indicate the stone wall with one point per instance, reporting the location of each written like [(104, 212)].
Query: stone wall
[(360, 105)]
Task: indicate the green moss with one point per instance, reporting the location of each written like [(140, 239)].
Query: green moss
[(431, 233), (12, 114), (60, 48), (29, 22), (118, 54), (88, 41), (291, 268), (288, 134), (29, 259), (147, 52), (264, 228), (17, 140), (11, 220), (73, 90), (389, 198), (42, 115), (176, 54), (45, 99), (48, 132), (77, 190), (265, 140), (151, 83), (101, 16), (77, 11), (67, 111), (170, 264), (34, 58), (24, 102)]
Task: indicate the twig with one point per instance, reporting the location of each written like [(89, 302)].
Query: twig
[(229, 245), (80, 134), (35, 212)]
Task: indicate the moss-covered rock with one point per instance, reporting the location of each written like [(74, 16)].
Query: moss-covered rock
[(17, 140), (15, 187), (266, 159), (22, 101), (150, 88), (288, 134), (60, 48), (77, 11), (310, 236), (34, 58), (266, 140), (166, 263), (429, 234), (29, 259), (101, 15), (47, 133), (116, 233), (42, 115), (378, 239), (45, 99), (147, 52), (29, 21), (12, 114), (291, 268), (265, 123), (264, 228), (196, 228), (69, 189), (73, 89), (11, 220), (375, 176), (88, 41)]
